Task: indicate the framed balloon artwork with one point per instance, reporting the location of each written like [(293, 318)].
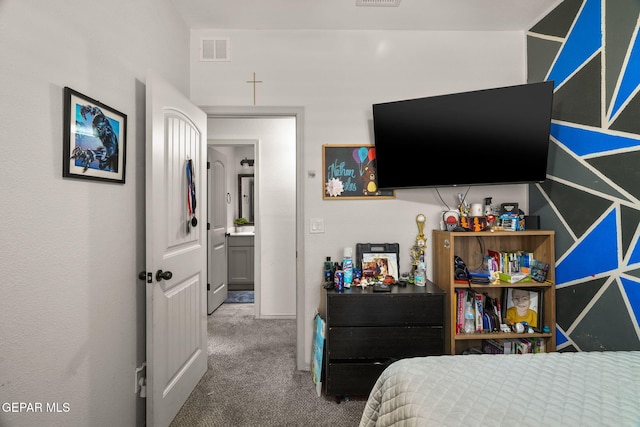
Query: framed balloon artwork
[(349, 172)]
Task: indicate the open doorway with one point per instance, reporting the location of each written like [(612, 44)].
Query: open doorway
[(230, 251), (279, 256)]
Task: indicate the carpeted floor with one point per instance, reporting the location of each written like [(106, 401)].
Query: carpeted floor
[(252, 378), (239, 297)]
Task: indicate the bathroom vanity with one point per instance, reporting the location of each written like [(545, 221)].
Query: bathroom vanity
[(240, 259)]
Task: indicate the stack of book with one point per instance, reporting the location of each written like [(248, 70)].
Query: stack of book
[(517, 266), (486, 311), (513, 346), (482, 277)]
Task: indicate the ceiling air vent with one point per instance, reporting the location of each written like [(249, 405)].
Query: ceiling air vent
[(378, 3), (214, 50)]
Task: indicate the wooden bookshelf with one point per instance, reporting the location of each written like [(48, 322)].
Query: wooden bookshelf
[(472, 247)]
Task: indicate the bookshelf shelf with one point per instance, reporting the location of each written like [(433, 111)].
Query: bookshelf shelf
[(472, 247), (498, 336), (478, 287)]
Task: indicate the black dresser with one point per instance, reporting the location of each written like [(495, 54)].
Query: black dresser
[(366, 331)]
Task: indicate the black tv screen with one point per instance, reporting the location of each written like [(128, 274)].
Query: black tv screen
[(484, 137)]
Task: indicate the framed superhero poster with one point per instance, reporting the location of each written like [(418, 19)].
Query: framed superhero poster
[(349, 172), (94, 143)]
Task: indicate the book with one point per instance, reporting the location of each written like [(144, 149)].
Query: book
[(479, 298), (526, 260), (539, 345), (497, 259), (491, 314), (318, 353), (523, 346), (539, 270), (493, 346), (515, 277), (509, 346), (461, 298), (482, 277), (479, 273)]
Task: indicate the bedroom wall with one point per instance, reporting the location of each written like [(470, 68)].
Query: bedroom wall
[(72, 311), (336, 76), (592, 195)]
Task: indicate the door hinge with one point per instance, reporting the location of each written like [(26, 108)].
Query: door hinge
[(140, 380), (208, 226), (208, 165), (208, 286)]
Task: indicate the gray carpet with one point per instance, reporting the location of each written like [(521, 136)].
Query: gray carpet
[(252, 378)]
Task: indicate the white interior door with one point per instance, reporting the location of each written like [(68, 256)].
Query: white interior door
[(218, 200), (176, 303)]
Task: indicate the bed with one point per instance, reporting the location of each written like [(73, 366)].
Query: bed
[(546, 389)]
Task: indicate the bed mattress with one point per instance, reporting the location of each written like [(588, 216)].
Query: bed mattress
[(546, 389)]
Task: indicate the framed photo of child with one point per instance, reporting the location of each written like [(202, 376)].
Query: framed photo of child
[(522, 305)]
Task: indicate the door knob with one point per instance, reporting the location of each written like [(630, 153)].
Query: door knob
[(166, 275)]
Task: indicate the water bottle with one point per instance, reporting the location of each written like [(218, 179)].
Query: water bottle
[(420, 278), (469, 323), (328, 271), (347, 267)]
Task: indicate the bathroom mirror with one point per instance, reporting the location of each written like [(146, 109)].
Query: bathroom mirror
[(245, 197)]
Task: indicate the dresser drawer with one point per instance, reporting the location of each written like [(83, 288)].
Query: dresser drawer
[(353, 379), (384, 342), (385, 310), (367, 331)]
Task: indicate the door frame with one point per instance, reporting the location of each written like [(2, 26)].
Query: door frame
[(298, 113)]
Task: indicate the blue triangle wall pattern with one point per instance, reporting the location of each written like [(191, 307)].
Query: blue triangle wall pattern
[(595, 254), (602, 141)]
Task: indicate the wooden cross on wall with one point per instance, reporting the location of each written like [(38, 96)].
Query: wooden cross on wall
[(254, 81)]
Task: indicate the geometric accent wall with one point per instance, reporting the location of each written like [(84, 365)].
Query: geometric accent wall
[(590, 49)]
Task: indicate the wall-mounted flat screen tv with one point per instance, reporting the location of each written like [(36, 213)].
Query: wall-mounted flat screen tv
[(484, 137)]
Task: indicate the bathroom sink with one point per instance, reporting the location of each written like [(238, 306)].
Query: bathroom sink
[(242, 233)]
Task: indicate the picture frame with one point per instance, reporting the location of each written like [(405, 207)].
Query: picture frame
[(532, 315), (380, 265), (376, 259), (94, 140), (350, 172)]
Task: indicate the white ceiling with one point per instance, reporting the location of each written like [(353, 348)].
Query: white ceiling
[(436, 15)]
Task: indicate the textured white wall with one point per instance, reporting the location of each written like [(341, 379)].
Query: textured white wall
[(72, 316), (336, 76)]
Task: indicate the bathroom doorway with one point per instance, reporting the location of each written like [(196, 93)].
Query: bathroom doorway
[(279, 226), (231, 246)]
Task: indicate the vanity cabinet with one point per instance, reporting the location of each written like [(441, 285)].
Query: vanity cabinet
[(240, 262)]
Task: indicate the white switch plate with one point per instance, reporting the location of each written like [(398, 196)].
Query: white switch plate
[(317, 225)]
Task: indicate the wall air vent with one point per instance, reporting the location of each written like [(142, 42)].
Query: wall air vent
[(378, 3), (215, 50)]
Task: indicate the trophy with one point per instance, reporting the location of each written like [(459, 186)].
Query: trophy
[(417, 253)]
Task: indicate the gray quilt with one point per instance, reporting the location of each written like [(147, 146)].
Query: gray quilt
[(546, 389)]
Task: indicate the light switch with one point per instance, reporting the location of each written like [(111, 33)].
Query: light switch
[(317, 225)]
